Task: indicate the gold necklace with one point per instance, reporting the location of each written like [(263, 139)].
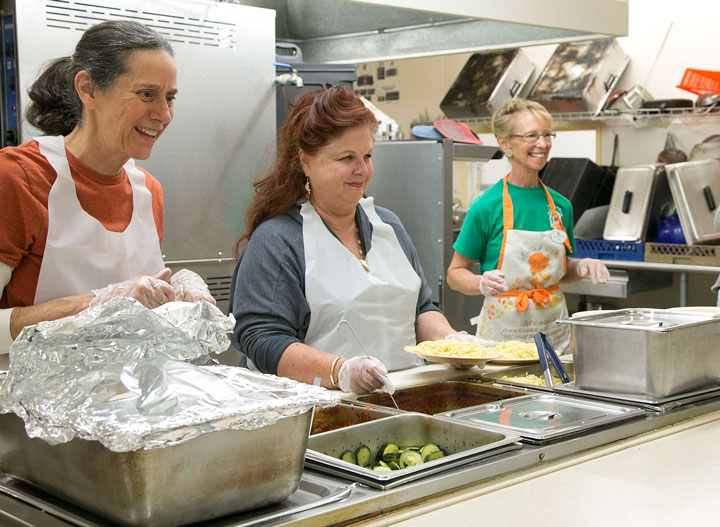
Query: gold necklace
[(360, 252)]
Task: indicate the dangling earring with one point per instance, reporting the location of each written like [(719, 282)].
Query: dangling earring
[(508, 153), (307, 188)]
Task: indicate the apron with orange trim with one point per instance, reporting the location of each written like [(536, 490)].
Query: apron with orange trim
[(533, 263)]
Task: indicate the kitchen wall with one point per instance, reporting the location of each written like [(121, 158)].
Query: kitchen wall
[(665, 37)]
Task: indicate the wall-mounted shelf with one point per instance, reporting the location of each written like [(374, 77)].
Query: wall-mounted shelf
[(637, 118)]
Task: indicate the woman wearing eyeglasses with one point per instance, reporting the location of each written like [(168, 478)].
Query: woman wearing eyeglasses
[(521, 233)]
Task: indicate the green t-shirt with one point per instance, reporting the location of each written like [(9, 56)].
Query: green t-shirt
[(482, 231)]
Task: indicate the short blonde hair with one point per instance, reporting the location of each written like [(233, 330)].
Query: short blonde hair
[(502, 119)]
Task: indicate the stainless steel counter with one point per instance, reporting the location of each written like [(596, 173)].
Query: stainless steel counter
[(365, 502)]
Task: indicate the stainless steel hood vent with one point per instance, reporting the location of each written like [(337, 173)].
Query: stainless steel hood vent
[(362, 31)]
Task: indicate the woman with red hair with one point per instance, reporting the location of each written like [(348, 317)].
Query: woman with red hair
[(325, 276)]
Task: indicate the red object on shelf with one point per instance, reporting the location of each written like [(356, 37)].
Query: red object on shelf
[(456, 131), (700, 81)]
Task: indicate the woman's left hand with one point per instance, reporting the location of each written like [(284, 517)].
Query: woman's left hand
[(593, 269)]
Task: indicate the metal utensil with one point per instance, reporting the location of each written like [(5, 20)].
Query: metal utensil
[(546, 350), (343, 321)]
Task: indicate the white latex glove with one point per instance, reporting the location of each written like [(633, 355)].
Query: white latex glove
[(493, 283), (151, 291), (464, 336), (190, 287), (363, 375), (594, 269)]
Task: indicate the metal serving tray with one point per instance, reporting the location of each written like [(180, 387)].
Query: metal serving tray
[(212, 475), (313, 492), (438, 397), (462, 443), (544, 416), (522, 371), (486, 81), (640, 199), (656, 404), (343, 414), (695, 187), (580, 76), (653, 352)]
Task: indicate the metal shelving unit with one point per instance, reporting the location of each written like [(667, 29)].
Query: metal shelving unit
[(639, 117)]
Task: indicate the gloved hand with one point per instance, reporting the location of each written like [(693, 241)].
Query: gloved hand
[(493, 283), (463, 336), (595, 269), (363, 375), (190, 287), (151, 291)]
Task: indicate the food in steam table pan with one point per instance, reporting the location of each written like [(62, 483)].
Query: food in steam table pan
[(390, 456)]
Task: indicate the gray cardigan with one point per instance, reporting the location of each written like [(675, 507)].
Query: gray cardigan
[(267, 292)]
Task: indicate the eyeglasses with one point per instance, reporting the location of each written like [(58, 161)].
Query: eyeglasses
[(532, 137)]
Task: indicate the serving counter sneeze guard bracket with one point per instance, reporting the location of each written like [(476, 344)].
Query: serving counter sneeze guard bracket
[(462, 443), (543, 417)]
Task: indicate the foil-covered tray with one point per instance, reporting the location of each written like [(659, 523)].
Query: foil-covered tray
[(462, 443), (541, 417)]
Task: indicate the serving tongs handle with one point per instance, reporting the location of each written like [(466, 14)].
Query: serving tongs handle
[(546, 350)]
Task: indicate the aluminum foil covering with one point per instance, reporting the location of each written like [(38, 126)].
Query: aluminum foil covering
[(133, 378)]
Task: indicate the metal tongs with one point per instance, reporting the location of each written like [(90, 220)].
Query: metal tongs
[(546, 350)]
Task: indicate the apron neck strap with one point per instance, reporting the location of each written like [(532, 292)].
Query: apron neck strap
[(508, 211)]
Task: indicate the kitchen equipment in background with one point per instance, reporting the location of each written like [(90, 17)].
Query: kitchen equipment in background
[(631, 99), (462, 443), (458, 132), (545, 416), (708, 100), (206, 477), (421, 131), (580, 180), (695, 187), (640, 199), (700, 81), (670, 230), (664, 105), (672, 152), (313, 76), (591, 223), (580, 76), (709, 148), (486, 81), (653, 352)]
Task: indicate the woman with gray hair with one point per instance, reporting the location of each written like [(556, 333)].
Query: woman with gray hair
[(76, 214), (521, 232)]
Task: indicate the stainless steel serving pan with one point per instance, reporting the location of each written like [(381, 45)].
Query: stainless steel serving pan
[(654, 352), (543, 416), (212, 475), (462, 443), (437, 397), (695, 187), (523, 371)]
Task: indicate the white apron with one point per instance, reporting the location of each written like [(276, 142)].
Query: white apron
[(80, 253), (379, 304), (533, 263)]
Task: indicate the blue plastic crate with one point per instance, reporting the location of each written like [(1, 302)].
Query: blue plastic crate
[(609, 250)]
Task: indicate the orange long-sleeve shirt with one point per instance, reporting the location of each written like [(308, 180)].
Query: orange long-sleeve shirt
[(25, 181)]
